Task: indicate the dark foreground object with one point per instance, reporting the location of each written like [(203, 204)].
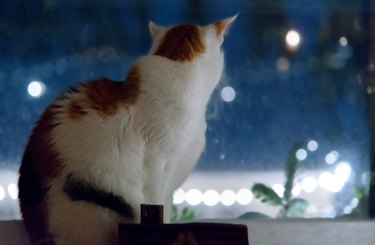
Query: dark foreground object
[(153, 231), (183, 234)]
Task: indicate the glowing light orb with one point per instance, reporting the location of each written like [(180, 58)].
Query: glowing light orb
[(332, 157), (194, 197), (228, 197), (312, 145), (36, 88), (13, 191), (354, 202), (293, 39), (343, 41), (330, 182), (228, 94), (343, 171), (211, 198), (301, 154), (244, 196), (2, 193), (279, 189), (178, 196), (309, 184)]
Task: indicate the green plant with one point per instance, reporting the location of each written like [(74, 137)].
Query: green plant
[(361, 209), (186, 214), (289, 207)]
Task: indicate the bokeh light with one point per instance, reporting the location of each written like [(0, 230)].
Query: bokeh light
[(178, 196), (211, 198), (279, 189), (13, 191), (2, 193), (309, 184), (301, 154), (194, 197), (36, 88), (312, 145), (228, 94), (244, 196), (293, 39), (228, 197)]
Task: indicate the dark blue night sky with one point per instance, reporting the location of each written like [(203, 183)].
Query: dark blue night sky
[(283, 97)]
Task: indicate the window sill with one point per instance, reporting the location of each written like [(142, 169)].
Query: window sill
[(262, 232)]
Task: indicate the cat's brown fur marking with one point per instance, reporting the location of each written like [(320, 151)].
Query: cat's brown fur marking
[(107, 96), (181, 43), (131, 86), (75, 110)]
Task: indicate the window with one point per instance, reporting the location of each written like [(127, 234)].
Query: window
[(298, 84)]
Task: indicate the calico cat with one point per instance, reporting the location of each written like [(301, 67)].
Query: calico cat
[(104, 147)]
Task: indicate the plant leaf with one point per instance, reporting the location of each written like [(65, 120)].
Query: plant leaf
[(174, 213), (266, 194), (290, 171), (187, 214)]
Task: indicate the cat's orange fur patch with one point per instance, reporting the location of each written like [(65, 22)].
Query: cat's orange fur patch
[(106, 96), (181, 43)]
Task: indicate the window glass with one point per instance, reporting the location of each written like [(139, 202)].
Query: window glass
[(294, 96)]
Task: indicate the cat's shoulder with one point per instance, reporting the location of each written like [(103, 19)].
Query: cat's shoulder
[(103, 96)]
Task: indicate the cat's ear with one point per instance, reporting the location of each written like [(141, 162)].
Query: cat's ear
[(222, 27), (154, 29)]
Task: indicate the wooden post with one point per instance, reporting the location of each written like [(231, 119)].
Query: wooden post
[(152, 214)]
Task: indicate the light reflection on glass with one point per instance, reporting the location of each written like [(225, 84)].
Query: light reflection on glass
[(309, 184), (301, 154), (332, 157), (354, 202), (312, 145), (279, 189), (36, 88), (325, 180), (293, 39), (335, 182), (343, 41), (244, 196), (343, 171), (194, 197), (211, 198), (13, 191), (228, 94), (348, 209), (228, 197), (178, 196), (2, 193)]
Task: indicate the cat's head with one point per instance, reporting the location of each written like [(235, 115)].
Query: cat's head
[(187, 42)]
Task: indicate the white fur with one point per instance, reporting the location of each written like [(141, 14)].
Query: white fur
[(143, 152)]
